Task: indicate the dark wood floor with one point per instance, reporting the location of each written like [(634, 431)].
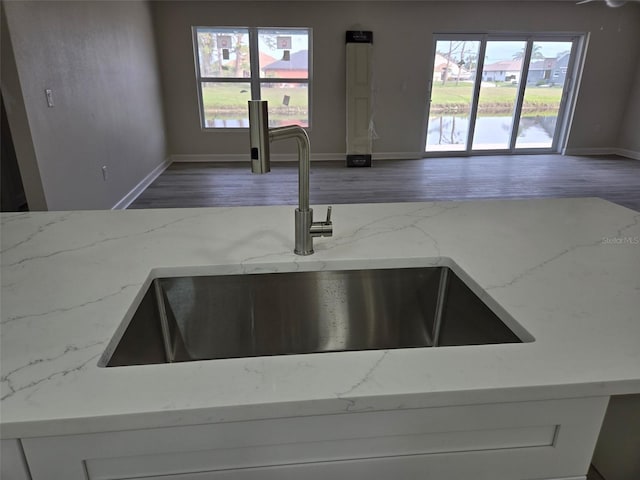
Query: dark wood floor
[(517, 176)]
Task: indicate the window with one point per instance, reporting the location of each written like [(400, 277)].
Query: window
[(501, 92), (234, 65)]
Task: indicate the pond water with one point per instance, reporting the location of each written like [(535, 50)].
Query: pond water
[(235, 121), (449, 132)]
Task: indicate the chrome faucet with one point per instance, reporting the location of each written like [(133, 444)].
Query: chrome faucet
[(261, 136)]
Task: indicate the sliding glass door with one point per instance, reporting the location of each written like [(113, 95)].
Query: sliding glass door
[(544, 94), (452, 89), (499, 94), (499, 79)]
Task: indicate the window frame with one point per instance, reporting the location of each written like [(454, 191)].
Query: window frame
[(579, 42), (256, 80)]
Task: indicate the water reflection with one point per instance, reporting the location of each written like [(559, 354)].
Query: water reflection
[(449, 132), (226, 122), (234, 121)]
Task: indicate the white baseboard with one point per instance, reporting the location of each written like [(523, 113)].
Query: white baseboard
[(397, 155), (210, 157), (141, 186), (584, 477), (290, 157), (623, 152), (590, 151), (569, 478), (603, 151), (241, 157)]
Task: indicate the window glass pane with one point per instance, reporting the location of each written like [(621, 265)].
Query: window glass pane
[(225, 104), (501, 75), (223, 52), (284, 53), (454, 73), (288, 103), (543, 94)]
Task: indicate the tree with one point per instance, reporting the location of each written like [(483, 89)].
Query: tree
[(536, 53), (213, 58), (451, 53), (242, 56)]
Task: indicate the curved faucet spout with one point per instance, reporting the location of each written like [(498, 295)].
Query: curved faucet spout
[(304, 163), (260, 137)]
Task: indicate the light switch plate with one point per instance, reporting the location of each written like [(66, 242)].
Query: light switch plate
[(49, 94)]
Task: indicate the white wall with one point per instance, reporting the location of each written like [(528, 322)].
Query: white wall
[(99, 59), (403, 49)]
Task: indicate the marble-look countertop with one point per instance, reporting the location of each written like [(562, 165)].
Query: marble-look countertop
[(567, 270)]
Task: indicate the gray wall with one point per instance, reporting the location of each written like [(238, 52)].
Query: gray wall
[(402, 52), (616, 456), (99, 59), (19, 122), (630, 128)]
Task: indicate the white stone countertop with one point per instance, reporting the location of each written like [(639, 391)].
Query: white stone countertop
[(567, 270)]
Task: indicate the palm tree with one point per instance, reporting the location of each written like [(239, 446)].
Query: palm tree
[(536, 53)]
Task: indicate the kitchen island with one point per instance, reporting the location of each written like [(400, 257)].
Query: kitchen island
[(566, 270)]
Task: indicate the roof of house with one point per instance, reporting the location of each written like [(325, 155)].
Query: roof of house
[(504, 66), (297, 61), (266, 59), (440, 63)]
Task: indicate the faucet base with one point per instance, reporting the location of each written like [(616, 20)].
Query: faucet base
[(304, 241)]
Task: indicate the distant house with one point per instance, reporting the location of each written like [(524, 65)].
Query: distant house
[(549, 71), (559, 72), (266, 59), (449, 69), (297, 66), (540, 71), (502, 71)]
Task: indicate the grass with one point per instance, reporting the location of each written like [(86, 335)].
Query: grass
[(458, 97), (233, 97)]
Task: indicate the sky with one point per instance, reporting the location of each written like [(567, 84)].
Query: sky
[(299, 41), (497, 51), (504, 50)]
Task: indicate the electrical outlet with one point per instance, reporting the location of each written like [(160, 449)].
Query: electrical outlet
[(104, 173)]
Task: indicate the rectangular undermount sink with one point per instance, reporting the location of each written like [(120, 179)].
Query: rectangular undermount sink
[(182, 319)]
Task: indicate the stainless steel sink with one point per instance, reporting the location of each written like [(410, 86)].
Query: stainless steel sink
[(211, 317)]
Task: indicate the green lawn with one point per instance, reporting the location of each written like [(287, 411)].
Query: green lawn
[(233, 97), (504, 95)]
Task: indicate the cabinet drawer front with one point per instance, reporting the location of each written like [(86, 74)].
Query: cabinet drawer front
[(291, 453), (409, 468), (550, 436)]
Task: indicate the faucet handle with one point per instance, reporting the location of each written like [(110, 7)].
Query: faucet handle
[(322, 229)]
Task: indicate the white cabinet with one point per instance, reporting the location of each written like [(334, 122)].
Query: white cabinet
[(541, 439), (12, 463)]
